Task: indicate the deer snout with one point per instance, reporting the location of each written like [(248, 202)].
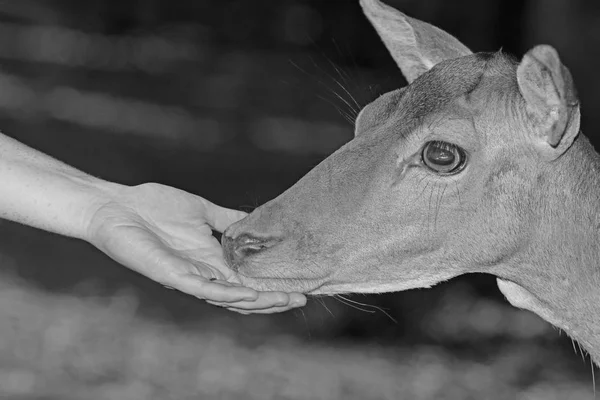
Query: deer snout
[(237, 248)]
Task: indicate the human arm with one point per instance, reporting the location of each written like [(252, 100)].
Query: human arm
[(161, 232)]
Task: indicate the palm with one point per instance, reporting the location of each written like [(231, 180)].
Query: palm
[(166, 235)]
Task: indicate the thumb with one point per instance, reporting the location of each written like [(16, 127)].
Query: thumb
[(219, 218)]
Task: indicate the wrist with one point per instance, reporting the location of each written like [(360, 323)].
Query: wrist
[(98, 194)]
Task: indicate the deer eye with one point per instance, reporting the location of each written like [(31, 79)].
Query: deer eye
[(443, 157)]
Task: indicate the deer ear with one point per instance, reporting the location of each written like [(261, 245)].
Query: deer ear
[(551, 99), (416, 46)]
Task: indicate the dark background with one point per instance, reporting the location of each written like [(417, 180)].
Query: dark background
[(234, 101)]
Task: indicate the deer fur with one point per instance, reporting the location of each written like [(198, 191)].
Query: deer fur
[(372, 218)]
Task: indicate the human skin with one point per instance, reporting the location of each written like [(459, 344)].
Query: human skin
[(158, 231)]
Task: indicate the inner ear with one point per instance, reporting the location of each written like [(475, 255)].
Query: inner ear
[(551, 99), (378, 111)]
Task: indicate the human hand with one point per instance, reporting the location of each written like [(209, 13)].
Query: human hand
[(165, 234)]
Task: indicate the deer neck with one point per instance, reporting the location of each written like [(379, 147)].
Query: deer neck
[(564, 257)]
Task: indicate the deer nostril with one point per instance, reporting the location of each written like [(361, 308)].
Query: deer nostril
[(247, 244), (242, 246), (247, 240)]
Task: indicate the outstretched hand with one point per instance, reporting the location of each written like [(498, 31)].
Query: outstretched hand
[(166, 234)]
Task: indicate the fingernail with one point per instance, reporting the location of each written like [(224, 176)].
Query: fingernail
[(299, 303)]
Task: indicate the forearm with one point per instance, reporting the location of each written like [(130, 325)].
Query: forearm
[(42, 192)]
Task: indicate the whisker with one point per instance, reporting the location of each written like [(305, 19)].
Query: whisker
[(320, 300), (350, 106), (425, 188), (383, 310), (305, 322), (345, 115), (342, 86), (342, 54), (437, 208), (429, 208), (458, 192), (350, 117), (344, 301), (593, 367), (355, 111)]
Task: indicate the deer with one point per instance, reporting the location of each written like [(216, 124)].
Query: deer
[(478, 165)]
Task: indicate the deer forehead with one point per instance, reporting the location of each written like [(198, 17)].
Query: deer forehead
[(461, 88)]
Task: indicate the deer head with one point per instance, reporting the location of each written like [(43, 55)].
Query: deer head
[(448, 175)]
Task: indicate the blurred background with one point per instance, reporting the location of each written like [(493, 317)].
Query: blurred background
[(235, 100)]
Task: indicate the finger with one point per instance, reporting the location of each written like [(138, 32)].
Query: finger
[(219, 218), (296, 300), (213, 291), (265, 300), (272, 310), (164, 267), (268, 300)]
